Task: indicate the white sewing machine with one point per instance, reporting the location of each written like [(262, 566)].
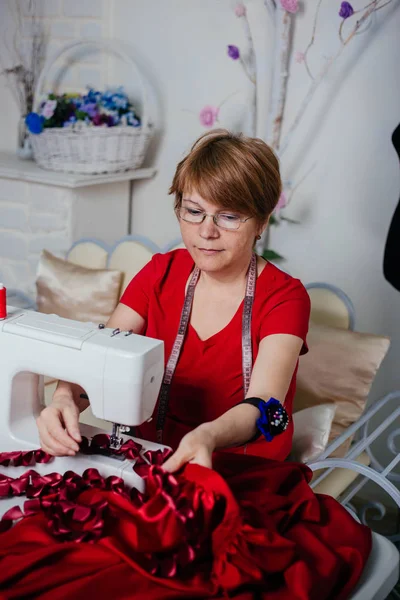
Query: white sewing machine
[(121, 373)]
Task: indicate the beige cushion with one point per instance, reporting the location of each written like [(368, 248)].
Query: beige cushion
[(76, 292), (339, 367), (312, 427)]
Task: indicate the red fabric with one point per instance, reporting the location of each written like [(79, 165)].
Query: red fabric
[(250, 529), (208, 379)]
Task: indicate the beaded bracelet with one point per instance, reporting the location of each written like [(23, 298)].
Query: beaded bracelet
[(273, 419)]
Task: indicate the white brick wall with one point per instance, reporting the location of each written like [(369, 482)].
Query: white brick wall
[(13, 217), (45, 8), (35, 216), (91, 30), (53, 218), (65, 21), (83, 8), (62, 29), (32, 217), (14, 245)]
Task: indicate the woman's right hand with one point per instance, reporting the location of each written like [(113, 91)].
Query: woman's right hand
[(58, 426)]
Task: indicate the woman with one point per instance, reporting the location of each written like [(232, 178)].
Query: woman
[(225, 191), (233, 327)]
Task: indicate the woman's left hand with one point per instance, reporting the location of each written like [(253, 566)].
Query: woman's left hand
[(196, 447)]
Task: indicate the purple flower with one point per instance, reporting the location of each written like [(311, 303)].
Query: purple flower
[(346, 10), (49, 108), (34, 122), (90, 108), (208, 115), (103, 120), (233, 52)]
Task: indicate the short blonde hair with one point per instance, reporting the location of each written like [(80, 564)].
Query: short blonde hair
[(232, 171)]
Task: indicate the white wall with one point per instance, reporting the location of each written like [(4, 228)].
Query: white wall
[(346, 204), (181, 46)]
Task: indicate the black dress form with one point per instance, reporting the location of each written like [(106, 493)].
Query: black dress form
[(391, 261)]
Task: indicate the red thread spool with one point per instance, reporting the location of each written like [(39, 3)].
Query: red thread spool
[(3, 302)]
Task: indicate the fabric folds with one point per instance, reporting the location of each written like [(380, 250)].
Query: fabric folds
[(250, 528)]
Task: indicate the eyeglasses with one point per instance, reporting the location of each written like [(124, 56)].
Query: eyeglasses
[(222, 220)]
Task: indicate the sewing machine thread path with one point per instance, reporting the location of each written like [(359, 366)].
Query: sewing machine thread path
[(121, 374)]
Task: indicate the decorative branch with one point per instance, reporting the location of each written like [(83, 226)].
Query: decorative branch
[(241, 12), (305, 55), (374, 5), (279, 85), (283, 20), (23, 72)]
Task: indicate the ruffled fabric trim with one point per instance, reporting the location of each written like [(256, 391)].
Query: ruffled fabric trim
[(266, 529)]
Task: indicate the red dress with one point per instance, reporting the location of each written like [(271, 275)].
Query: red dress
[(208, 379), (251, 529)]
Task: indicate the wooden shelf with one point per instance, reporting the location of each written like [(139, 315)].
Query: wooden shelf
[(12, 167)]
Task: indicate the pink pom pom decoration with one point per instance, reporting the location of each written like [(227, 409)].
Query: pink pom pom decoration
[(240, 10), (299, 57), (208, 115), (291, 6)]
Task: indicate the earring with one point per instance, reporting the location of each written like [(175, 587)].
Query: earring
[(258, 237)]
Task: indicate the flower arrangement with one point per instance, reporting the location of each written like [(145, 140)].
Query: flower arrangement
[(94, 109)]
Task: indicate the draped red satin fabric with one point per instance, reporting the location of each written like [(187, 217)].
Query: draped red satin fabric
[(251, 528)]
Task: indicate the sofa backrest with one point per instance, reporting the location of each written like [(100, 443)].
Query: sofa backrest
[(329, 304), (128, 255)]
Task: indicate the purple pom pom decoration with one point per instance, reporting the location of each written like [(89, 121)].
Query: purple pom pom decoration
[(346, 10), (233, 52)]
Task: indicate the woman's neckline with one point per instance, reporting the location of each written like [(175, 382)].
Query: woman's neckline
[(238, 312)]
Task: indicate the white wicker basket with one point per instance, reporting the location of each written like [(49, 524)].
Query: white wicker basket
[(92, 149)]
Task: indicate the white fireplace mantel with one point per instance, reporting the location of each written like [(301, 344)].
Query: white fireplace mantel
[(42, 209), (12, 167)]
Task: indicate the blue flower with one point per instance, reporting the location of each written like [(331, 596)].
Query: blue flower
[(70, 121), (92, 96), (267, 409), (132, 119), (119, 101), (114, 116), (34, 122)]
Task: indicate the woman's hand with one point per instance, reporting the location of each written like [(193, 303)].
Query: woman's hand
[(58, 426), (196, 447)]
